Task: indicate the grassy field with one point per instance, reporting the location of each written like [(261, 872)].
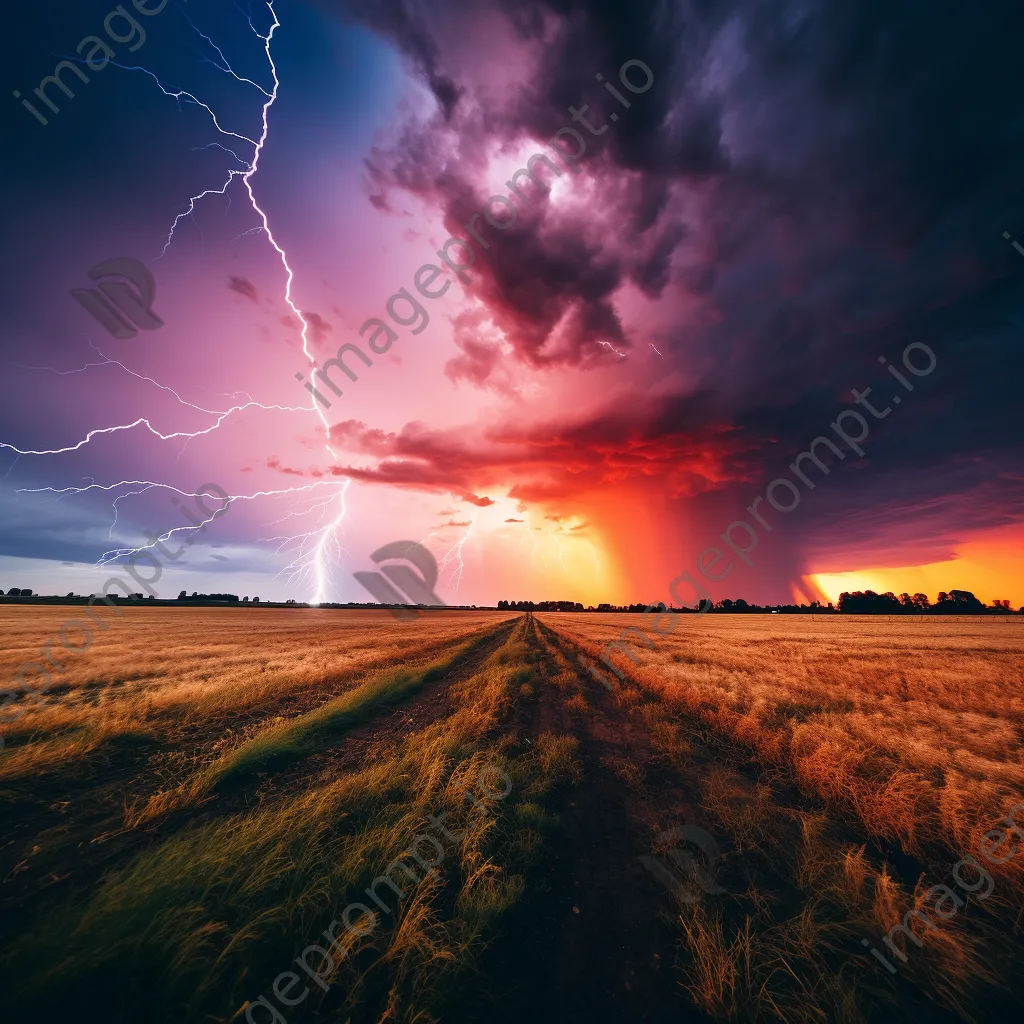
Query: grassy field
[(290, 815)]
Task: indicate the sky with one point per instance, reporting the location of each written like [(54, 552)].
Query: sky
[(775, 207)]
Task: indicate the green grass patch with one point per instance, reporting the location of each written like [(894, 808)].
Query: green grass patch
[(291, 741)]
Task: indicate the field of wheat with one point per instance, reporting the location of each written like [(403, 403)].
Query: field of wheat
[(916, 723), (905, 732), (287, 815), (192, 675)]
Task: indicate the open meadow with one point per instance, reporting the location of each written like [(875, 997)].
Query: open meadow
[(287, 815)]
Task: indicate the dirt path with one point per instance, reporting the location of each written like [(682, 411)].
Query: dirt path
[(597, 942), (374, 738), (615, 950)]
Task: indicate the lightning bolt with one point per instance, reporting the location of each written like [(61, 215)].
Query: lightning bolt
[(106, 360), (454, 554), (608, 344), (143, 420), (196, 527), (315, 548), (326, 538)]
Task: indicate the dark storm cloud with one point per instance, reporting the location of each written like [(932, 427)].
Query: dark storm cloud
[(243, 286), (809, 185), (319, 328), (481, 360), (553, 459), (553, 270), (403, 22), (829, 123)]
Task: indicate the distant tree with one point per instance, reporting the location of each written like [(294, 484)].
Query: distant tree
[(70, 595), (245, 600), (1001, 606), (182, 596), (921, 602), (14, 592), (868, 603), (255, 600), (26, 592), (958, 602)]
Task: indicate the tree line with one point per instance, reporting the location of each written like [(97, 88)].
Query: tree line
[(859, 602)]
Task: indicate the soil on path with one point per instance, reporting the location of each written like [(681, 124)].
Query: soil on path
[(597, 941)]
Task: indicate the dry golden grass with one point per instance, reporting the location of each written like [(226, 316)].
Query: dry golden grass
[(179, 673), (209, 912), (254, 769), (916, 722), (912, 724)]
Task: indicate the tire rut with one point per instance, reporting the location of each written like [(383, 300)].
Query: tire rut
[(352, 750), (758, 812), (600, 931)]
